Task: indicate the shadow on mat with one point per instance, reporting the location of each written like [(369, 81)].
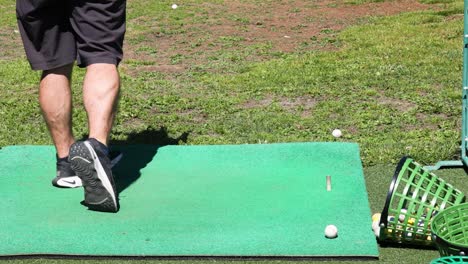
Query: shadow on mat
[(138, 150)]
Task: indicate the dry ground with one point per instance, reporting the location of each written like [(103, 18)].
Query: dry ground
[(275, 26)]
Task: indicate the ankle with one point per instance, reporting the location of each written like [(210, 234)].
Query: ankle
[(102, 147), (102, 140), (59, 159)]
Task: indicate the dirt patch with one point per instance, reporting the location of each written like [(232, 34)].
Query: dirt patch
[(397, 104), (240, 30), (302, 104), (288, 24), (250, 104)]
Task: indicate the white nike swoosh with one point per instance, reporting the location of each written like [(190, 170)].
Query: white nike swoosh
[(70, 182)]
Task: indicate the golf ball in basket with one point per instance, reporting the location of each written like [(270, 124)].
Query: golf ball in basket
[(402, 216), (174, 6), (331, 231), (336, 133)]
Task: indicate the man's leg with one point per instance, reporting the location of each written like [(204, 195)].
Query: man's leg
[(56, 103), (99, 38), (50, 46), (100, 94), (89, 159)]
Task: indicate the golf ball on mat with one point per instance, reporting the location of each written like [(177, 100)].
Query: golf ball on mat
[(174, 6), (336, 133), (331, 231)]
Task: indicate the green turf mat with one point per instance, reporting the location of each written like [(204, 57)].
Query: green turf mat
[(230, 200)]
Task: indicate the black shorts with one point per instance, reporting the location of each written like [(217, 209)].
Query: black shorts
[(58, 32)]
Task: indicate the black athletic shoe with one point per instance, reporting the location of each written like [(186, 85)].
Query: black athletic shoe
[(67, 178), (93, 166)]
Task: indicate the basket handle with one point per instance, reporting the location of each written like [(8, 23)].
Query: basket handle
[(384, 214)]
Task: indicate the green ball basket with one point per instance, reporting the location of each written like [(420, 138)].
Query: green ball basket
[(414, 197), (450, 231), (448, 260)]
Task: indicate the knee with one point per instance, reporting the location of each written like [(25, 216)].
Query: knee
[(105, 74)]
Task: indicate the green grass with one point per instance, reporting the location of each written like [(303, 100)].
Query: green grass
[(393, 87), (392, 84), (7, 11)]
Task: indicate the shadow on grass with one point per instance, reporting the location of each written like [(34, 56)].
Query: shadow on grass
[(139, 149)]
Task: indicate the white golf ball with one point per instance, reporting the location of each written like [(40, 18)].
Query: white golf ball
[(331, 231), (376, 224), (376, 228), (402, 216), (174, 6), (337, 133)]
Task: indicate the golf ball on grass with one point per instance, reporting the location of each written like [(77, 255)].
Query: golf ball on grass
[(336, 133), (174, 6), (331, 231)]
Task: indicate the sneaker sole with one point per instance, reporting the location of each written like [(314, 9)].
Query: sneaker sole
[(86, 164)]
